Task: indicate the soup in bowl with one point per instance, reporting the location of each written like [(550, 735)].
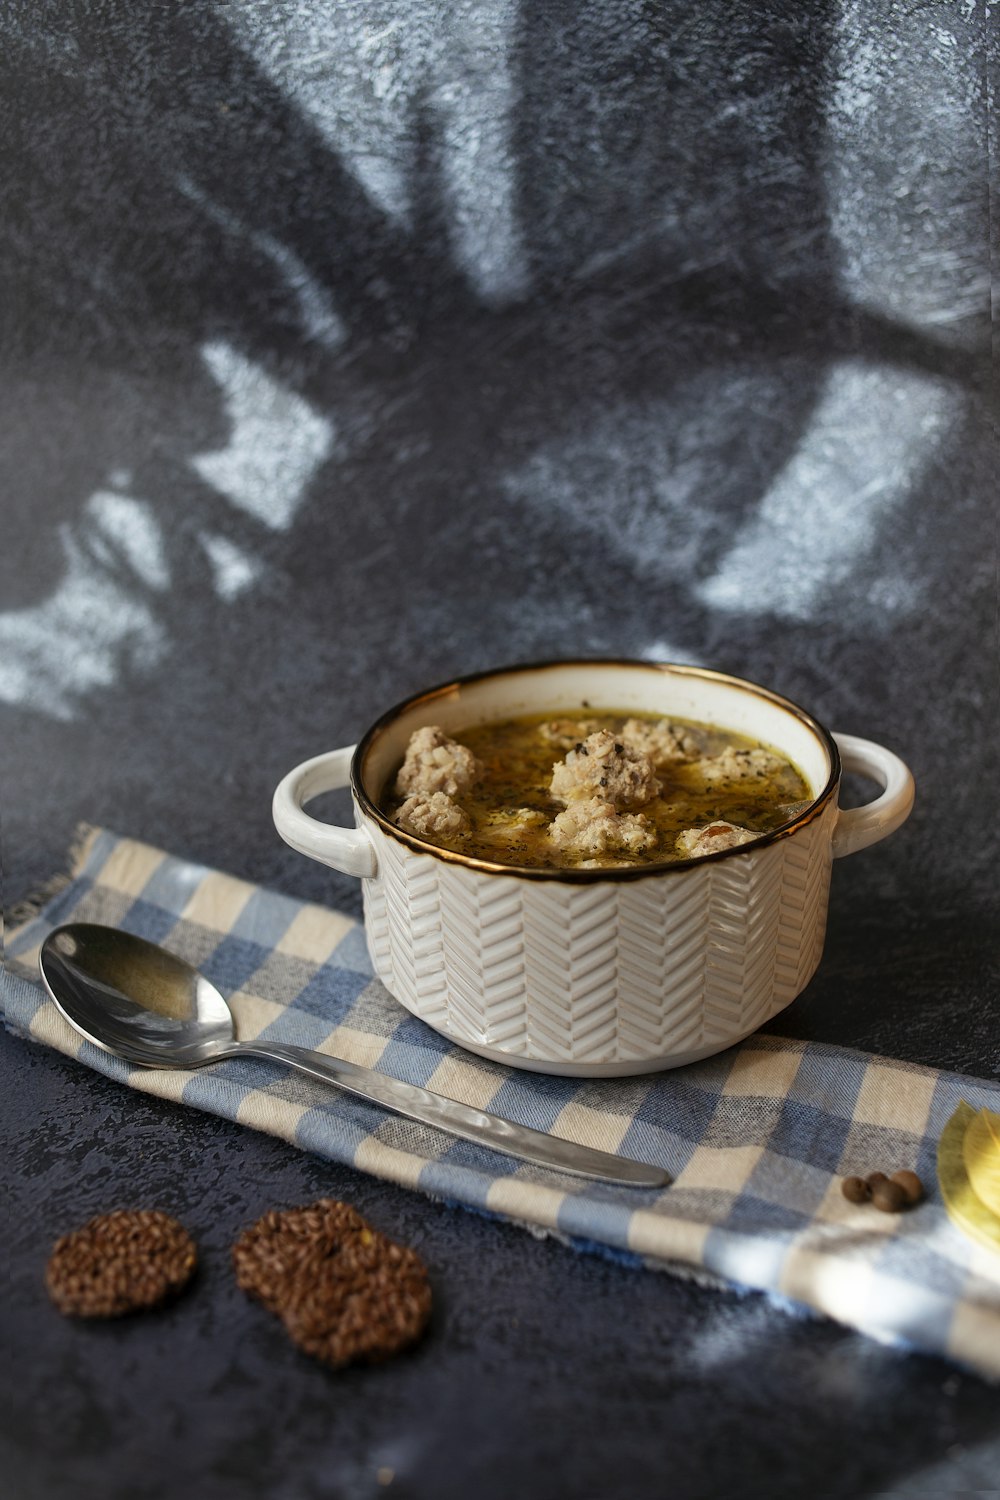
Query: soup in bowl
[(639, 946), (591, 790)]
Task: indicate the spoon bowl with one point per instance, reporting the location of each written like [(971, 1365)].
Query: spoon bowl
[(132, 998), (135, 1000)]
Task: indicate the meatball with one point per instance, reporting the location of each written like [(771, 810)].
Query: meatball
[(591, 826), (607, 769), (434, 763), (740, 765), (664, 743), (694, 842), (430, 816)]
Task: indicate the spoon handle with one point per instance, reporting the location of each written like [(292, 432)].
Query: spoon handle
[(462, 1119)]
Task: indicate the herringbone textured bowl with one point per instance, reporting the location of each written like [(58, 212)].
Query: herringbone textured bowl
[(610, 977), (596, 972)]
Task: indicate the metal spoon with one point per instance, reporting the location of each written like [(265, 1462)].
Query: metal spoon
[(141, 1003)]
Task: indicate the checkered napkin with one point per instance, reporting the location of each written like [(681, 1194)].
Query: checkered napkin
[(757, 1138)]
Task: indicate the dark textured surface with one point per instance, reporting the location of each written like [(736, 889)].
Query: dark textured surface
[(348, 348)]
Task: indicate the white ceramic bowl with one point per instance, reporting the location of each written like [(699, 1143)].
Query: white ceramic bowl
[(597, 972)]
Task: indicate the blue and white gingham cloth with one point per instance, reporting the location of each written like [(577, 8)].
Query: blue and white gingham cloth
[(757, 1138)]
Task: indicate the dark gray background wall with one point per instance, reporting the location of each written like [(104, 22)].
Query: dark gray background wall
[(352, 346), (348, 346)]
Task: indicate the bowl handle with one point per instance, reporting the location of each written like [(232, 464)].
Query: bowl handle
[(857, 827), (349, 850)]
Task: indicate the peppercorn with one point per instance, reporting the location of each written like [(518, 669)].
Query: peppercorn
[(888, 1196), (912, 1187)]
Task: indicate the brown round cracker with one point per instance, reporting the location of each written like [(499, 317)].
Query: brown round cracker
[(267, 1256), (344, 1291), (121, 1262), (364, 1305)]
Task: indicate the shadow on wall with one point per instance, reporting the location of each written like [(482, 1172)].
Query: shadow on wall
[(537, 304)]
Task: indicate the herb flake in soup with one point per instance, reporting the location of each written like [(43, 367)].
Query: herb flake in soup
[(591, 790)]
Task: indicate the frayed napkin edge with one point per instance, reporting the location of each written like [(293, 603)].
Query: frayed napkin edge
[(33, 905)]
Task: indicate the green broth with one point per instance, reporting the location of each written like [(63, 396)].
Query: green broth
[(517, 762)]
